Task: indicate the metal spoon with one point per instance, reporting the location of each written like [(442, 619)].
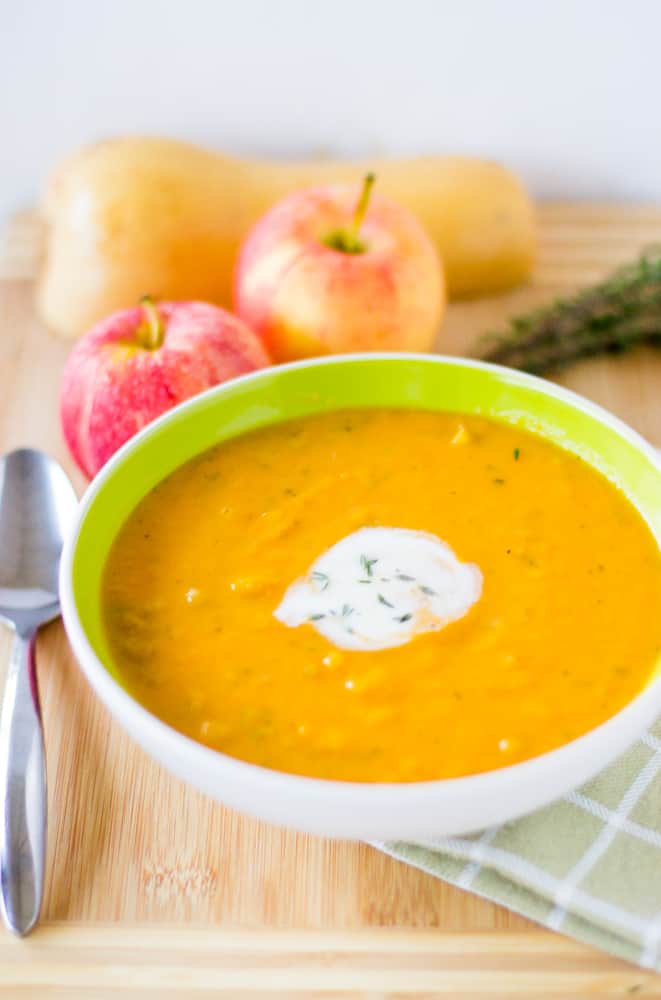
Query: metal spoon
[(37, 503)]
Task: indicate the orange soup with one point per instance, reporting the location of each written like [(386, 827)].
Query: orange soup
[(556, 628)]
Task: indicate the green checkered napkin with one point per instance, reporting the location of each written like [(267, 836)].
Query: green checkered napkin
[(588, 865)]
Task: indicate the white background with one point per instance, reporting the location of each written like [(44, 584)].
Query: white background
[(568, 92)]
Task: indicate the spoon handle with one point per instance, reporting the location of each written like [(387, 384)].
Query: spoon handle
[(22, 791)]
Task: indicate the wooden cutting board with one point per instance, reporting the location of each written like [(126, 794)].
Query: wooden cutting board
[(154, 891)]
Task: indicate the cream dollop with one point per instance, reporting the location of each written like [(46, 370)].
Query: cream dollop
[(380, 587)]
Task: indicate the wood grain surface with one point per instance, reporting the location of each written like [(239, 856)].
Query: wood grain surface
[(155, 891)]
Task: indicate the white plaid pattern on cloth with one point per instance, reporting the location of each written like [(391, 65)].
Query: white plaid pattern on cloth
[(589, 865)]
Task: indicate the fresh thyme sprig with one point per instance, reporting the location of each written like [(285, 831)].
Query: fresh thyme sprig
[(610, 317)]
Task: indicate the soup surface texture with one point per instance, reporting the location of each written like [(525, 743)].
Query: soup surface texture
[(561, 629)]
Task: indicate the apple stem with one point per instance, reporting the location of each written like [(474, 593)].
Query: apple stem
[(361, 208), (347, 239), (150, 331)]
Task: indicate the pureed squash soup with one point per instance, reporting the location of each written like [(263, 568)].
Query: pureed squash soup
[(384, 595)]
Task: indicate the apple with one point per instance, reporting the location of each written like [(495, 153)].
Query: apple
[(331, 270), (138, 363)]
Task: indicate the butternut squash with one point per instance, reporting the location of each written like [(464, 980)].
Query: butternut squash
[(133, 216)]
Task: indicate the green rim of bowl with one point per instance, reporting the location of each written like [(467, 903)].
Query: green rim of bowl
[(289, 391)]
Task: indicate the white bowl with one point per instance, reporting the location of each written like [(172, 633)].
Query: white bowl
[(335, 808)]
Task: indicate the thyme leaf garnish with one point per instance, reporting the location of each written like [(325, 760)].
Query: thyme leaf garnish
[(404, 618), (315, 618), (366, 565), (381, 599), (516, 454), (428, 590), (405, 577), (321, 578)]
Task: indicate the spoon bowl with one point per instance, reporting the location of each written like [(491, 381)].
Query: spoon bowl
[(37, 504)]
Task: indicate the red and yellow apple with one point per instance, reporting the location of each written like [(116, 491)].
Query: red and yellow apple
[(331, 270), (136, 364)]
